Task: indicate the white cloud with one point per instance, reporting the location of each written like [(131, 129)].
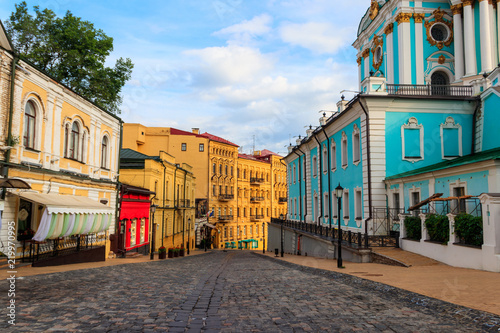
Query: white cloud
[(257, 26), (315, 36)]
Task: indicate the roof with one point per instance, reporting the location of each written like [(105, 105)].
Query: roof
[(135, 155), (266, 152), (251, 157), (136, 189), (491, 154), (218, 139), (175, 131)]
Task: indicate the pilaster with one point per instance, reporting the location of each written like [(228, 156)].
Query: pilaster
[(419, 52), (486, 46), (469, 39), (458, 32), (404, 41)]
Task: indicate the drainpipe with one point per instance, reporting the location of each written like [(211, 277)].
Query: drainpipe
[(5, 170), (286, 179), (184, 212), (329, 177), (320, 179), (118, 184), (368, 162), (175, 205), (478, 106), (300, 186), (164, 192)]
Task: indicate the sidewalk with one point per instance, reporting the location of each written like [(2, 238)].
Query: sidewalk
[(471, 288), (29, 271)]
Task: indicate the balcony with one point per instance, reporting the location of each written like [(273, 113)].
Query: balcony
[(226, 197), (256, 181), (256, 199), (256, 217), (225, 218), (282, 200), (429, 90), (184, 203)]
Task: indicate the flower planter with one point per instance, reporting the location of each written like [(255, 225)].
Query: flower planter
[(176, 254), (181, 253), (170, 253), (162, 255)]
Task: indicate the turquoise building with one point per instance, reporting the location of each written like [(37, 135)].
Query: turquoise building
[(423, 123)]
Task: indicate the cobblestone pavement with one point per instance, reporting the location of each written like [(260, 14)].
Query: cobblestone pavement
[(228, 292)]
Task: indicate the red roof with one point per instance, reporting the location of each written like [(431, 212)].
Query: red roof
[(218, 139), (251, 157), (266, 152), (175, 131)]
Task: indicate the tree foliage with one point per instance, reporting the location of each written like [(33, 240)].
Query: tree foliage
[(413, 227), (438, 227), (72, 51)]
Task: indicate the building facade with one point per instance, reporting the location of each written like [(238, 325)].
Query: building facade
[(172, 224), (420, 128), (66, 148)]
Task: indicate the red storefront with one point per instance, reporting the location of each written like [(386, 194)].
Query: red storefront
[(134, 219)]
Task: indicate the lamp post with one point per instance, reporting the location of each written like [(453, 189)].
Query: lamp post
[(189, 234), (152, 243), (339, 190), (282, 220), (264, 237)]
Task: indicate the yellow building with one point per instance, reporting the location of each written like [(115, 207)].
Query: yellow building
[(66, 149), (174, 185)]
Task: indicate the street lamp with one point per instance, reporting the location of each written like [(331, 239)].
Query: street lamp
[(282, 219), (339, 190), (152, 243), (189, 234)]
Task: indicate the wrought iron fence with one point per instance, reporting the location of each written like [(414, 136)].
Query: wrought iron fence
[(429, 90), (471, 205), (35, 251), (353, 239)]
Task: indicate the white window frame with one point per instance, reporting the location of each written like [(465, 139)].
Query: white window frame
[(326, 206), (345, 149), (356, 145), (335, 204), (294, 174), (414, 125), (450, 124), (315, 206), (358, 205), (333, 155), (325, 159), (315, 166), (345, 207)]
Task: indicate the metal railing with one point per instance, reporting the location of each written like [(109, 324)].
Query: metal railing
[(183, 203), (282, 200), (429, 90), (352, 239), (226, 197), (256, 217), (256, 180), (456, 206), (256, 199), (35, 251), (226, 217)]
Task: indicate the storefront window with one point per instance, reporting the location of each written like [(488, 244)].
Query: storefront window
[(143, 230), (133, 235)]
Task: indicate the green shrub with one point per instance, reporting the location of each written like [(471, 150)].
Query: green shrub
[(413, 227), (469, 228), (438, 227)]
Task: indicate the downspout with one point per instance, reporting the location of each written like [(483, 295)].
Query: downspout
[(281, 160), (184, 211), (478, 106), (368, 162), (15, 59), (163, 208), (329, 177), (175, 206), (300, 186), (118, 184), (320, 179)]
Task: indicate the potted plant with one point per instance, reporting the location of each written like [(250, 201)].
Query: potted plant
[(170, 252), (162, 252), (181, 251), (176, 252)]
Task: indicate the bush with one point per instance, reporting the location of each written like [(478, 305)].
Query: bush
[(438, 227), (469, 228), (413, 227), (162, 249)]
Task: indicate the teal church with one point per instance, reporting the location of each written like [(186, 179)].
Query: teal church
[(420, 138)]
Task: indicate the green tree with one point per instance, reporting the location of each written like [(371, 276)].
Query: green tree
[(72, 51)]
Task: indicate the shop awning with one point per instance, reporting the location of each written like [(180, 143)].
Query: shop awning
[(68, 215), (14, 183)]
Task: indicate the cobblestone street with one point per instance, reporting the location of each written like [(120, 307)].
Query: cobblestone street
[(229, 292)]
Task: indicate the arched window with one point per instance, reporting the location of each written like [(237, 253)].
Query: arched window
[(104, 152), (29, 125), (73, 141), (439, 83)]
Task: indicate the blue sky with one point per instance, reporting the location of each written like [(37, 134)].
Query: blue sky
[(234, 68)]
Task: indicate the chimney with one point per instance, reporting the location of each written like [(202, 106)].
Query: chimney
[(322, 120), (298, 141), (257, 153), (195, 130), (341, 104), (309, 131), (290, 148)]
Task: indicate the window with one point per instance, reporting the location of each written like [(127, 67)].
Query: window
[(346, 207), (104, 152), (29, 125), (232, 171), (220, 169), (73, 141), (395, 201), (326, 207), (355, 145), (238, 211), (314, 166), (214, 168), (358, 213), (214, 190), (294, 172), (183, 146), (133, 234), (451, 139), (202, 147), (244, 212), (295, 207), (304, 167), (333, 155), (344, 150), (316, 206), (439, 32), (439, 83), (335, 205), (412, 135), (325, 159), (143, 230), (219, 212), (460, 203), (225, 169)]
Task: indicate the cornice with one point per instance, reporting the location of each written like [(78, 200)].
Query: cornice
[(403, 17)]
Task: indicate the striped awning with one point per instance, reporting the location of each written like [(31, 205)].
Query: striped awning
[(67, 215)]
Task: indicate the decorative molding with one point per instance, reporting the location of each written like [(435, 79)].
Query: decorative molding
[(378, 42), (359, 60), (419, 17), (414, 125), (374, 7), (438, 15), (403, 18), (450, 124), (457, 9), (468, 2), (441, 59), (366, 53), (390, 28)]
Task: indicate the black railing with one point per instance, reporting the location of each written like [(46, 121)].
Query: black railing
[(256, 180), (256, 217), (35, 251), (256, 199), (456, 206), (226, 197), (282, 200), (353, 239), (429, 90), (183, 203), (225, 217)]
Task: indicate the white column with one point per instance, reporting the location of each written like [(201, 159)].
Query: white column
[(469, 44), (419, 52), (498, 29), (366, 62), (359, 60), (404, 41), (390, 53), (458, 32), (493, 34), (486, 46)]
